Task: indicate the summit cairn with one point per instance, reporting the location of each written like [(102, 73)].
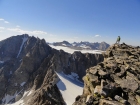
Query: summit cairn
[(115, 81)]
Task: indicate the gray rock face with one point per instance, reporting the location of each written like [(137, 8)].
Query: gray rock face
[(76, 62), (19, 66), (29, 63), (115, 81)]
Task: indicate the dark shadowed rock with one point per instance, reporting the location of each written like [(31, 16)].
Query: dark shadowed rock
[(29, 64)]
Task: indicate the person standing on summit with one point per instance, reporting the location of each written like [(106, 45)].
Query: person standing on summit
[(118, 40)]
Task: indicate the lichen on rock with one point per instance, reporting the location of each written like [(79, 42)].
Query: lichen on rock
[(116, 80)]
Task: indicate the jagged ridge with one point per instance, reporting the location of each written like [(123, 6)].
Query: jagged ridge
[(115, 81), (29, 63)]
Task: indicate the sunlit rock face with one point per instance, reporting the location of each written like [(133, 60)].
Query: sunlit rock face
[(28, 69), (115, 81)]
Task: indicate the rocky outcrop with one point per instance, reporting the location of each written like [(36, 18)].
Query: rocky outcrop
[(44, 85), (102, 46), (115, 81), (28, 63)]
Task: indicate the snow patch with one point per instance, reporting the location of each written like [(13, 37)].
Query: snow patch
[(20, 102), (74, 76), (50, 95), (64, 44), (84, 46), (8, 97), (25, 93), (30, 92), (24, 40), (73, 44), (1, 61), (69, 87), (22, 84)]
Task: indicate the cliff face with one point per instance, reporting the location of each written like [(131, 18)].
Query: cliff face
[(29, 64), (115, 81), (25, 65), (76, 62)]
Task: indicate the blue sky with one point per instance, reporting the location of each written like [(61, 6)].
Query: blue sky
[(72, 20)]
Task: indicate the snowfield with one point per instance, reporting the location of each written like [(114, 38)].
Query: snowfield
[(21, 101), (23, 41), (69, 87), (69, 50), (8, 99)]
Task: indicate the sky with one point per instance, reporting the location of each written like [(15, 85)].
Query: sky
[(72, 20)]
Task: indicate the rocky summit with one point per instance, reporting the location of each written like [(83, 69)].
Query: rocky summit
[(115, 81), (28, 67)]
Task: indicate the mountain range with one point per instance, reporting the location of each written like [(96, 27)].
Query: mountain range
[(83, 45), (33, 73)]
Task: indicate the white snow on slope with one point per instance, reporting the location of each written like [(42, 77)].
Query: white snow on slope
[(69, 50), (22, 84), (30, 92), (23, 41), (8, 97), (64, 44), (69, 88), (84, 46), (74, 76), (20, 102)]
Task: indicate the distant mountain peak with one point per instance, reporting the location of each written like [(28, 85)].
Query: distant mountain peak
[(84, 45)]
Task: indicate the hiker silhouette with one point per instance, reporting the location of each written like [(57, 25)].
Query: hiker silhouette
[(118, 40)]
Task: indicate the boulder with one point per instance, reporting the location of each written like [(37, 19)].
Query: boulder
[(116, 80)]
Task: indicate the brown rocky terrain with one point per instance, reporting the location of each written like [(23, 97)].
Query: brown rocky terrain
[(28, 63), (115, 81)]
